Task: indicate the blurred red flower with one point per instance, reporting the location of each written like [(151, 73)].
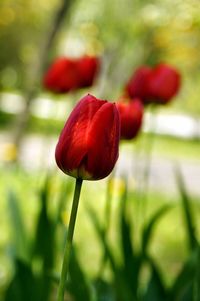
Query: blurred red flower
[(131, 114), (88, 67), (67, 74), (164, 83), (154, 85), (61, 77), (138, 84), (89, 142)]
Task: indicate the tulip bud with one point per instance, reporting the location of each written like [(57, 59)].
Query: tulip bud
[(88, 145), (131, 114), (164, 83)]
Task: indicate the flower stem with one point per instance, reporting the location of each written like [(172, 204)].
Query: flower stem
[(68, 245)]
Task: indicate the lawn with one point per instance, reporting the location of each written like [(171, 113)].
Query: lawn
[(168, 244)]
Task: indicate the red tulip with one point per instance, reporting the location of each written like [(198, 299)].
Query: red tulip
[(87, 67), (88, 144), (67, 74), (154, 85), (62, 76), (164, 83), (131, 114), (138, 83)]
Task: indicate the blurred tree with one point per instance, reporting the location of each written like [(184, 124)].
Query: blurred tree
[(22, 27), (125, 33), (38, 68)]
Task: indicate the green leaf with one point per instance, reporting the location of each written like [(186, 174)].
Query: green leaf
[(148, 229), (156, 290), (121, 288), (19, 236), (104, 290), (65, 191), (186, 202), (182, 286), (23, 287), (78, 284), (44, 244), (107, 219), (44, 236), (101, 234), (197, 277), (132, 261)]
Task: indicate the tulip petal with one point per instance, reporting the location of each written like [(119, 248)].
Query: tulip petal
[(103, 141)]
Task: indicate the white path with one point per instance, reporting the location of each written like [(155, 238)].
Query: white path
[(162, 175), (38, 152), (178, 125)]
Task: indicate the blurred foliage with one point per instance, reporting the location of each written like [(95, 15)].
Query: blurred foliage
[(136, 260), (22, 28), (135, 273), (132, 33), (125, 33)]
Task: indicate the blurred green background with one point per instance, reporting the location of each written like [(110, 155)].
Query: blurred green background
[(125, 34)]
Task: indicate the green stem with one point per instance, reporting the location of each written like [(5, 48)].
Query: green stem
[(68, 245)]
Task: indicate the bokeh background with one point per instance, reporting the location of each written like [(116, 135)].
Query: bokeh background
[(124, 34)]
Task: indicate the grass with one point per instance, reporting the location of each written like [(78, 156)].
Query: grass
[(36, 125), (166, 146), (177, 148), (169, 240)]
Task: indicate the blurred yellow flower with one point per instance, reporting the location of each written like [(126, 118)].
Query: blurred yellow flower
[(9, 152), (117, 186)]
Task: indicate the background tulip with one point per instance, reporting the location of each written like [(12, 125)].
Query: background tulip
[(62, 76), (164, 83), (138, 83), (88, 67), (67, 74), (131, 114), (88, 145), (154, 85)]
